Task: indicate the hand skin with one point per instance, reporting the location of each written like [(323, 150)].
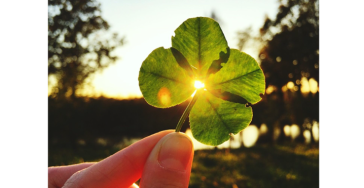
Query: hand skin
[(162, 160)]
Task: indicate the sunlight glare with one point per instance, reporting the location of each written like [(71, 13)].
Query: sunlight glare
[(199, 84), (196, 144), (315, 131), (250, 136), (287, 130), (305, 86), (193, 94), (307, 136), (313, 85), (295, 131)]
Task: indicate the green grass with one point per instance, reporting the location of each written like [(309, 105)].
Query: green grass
[(265, 166), (262, 166)]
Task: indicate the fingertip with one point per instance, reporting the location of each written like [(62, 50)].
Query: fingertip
[(121, 169), (169, 163), (175, 152)]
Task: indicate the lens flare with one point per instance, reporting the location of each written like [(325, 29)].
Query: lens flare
[(164, 96), (199, 84)]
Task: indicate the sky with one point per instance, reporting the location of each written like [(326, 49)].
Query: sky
[(149, 24)]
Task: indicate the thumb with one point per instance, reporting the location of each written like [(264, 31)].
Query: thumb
[(169, 163)]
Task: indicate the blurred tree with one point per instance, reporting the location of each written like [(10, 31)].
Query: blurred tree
[(214, 16), (291, 48), (244, 37), (289, 52), (75, 47)]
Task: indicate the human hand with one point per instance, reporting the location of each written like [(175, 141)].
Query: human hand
[(161, 160)]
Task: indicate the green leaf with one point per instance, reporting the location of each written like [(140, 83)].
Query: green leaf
[(228, 96), (162, 81), (217, 64), (213, 119), (232, 79), (200, 40), (241, 76), (182, 61)]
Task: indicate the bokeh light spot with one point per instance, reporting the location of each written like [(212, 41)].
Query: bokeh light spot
[(270, 89), (250, 136), (315, 131), (287, 130), (263, 129), (295, 131), (313, 85), (164, 96), (305, 86), (307, 136), (295, 62), (290, 85), (278, 59)]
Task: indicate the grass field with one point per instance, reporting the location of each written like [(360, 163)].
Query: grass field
[(261, 166)]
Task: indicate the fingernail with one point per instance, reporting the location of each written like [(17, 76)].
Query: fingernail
[(175, 152)]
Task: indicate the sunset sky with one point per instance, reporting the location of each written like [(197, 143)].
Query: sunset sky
[(148, 24)]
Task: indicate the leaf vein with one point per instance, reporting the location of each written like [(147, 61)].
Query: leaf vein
[(218, 115), (237, 77), (158, 75)]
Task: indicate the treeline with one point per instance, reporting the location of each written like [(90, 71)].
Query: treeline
[(90, 118)]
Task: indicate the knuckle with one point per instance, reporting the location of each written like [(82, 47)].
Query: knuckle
[(74, 181)]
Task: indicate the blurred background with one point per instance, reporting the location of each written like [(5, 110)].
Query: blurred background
[(95, 107)]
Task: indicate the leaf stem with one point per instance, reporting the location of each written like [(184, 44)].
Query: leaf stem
[(187, 110)]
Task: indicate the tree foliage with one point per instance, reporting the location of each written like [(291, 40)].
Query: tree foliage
[(291, 48), (76, 46), (289, 52)]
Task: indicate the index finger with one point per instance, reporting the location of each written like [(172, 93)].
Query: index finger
[(58, 175), (121, 169)]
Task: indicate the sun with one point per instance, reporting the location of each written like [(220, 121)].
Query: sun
[(199, 84)]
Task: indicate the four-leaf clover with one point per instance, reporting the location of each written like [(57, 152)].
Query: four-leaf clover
[(226, 81)]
